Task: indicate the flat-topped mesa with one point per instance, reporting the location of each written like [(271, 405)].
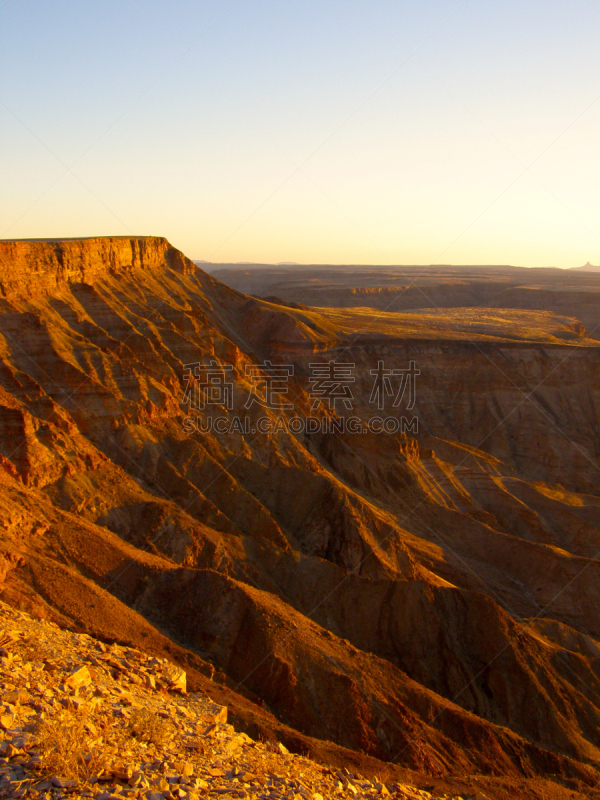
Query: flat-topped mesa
[(31, 267)]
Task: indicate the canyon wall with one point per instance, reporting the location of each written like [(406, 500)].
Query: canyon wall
[(426, 597), (32, 266)]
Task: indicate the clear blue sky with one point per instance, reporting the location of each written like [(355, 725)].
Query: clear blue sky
[(365, 132)]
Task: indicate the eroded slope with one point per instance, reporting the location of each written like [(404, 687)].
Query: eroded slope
[(427, 597)]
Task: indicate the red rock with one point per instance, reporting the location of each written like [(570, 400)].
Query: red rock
[(63, 783), (7, 722), (420, 598), (80, 676), (178, 683)]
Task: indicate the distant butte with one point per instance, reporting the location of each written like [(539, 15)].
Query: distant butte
[(587, 268)]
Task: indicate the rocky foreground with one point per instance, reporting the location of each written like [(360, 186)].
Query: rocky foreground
[(83, 719)]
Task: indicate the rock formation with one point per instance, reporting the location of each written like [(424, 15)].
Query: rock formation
[(428, 597)]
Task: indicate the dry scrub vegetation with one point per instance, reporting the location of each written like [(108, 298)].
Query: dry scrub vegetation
[(66, 747), (267, 765), (147, 726)]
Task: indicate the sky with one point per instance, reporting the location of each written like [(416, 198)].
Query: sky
[(387, 132)]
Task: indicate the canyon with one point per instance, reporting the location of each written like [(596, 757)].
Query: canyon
[(427, 597), (574, 292)]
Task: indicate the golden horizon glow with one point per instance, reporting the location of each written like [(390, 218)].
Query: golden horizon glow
[(443, 133)]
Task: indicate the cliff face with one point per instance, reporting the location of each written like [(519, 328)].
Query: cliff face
[(431, 597), (32, 267)]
